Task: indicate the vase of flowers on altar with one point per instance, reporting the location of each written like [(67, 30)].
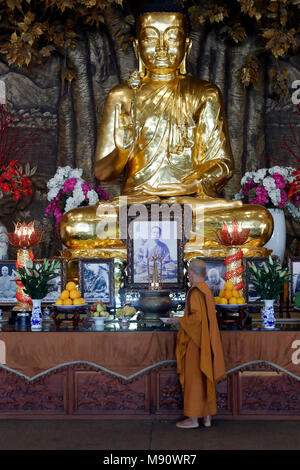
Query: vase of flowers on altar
[(68, 190), (35, 280), (268, 280), (98, 314), (272, 188), (124, 315)]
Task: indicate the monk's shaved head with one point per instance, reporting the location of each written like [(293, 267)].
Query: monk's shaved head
[(198, 267)]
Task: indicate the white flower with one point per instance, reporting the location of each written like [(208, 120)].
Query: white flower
[(70, 204), (269, 183), (78, 194), (259, 175), (293, 210), (93, 197), (52, 193), (275, 196), (76, 173)]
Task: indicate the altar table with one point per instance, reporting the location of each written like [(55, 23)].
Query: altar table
[(90, 374)]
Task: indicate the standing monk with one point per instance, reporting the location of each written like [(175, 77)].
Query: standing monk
[(199, 352)]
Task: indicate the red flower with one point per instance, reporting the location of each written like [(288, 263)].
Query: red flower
[(5, 187), (17, 194)]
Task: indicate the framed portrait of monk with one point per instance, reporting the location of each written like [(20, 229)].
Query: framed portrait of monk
[(294, 270), (155, 250), (96, 280), (8, 286)]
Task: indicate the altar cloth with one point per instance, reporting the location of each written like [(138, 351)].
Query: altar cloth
[(127, 354)]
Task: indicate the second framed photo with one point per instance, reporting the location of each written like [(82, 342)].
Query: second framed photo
[(96, 280), (8, 286), (215, 274), (294, 269)]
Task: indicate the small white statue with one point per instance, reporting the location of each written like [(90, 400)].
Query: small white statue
[(3, 242)]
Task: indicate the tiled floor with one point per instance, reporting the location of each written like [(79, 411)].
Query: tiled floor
[(147, 435)]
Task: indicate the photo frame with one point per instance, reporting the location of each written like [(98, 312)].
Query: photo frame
[(252, 296), (294, 269), (96, 280), (57, 284), (155, 237), (215, 273), (8, 286)]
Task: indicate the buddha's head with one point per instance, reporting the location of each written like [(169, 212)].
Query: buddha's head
[(162, 45)]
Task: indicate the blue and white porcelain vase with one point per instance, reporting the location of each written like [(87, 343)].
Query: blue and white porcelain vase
[(268, 315), (36, 314)]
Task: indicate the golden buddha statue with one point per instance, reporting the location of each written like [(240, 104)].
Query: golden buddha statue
[(168, 131)]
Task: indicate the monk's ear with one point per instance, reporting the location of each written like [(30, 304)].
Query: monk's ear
[(141, 65), (184, 62)]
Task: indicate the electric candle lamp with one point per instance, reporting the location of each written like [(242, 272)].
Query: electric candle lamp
[(24, 237)]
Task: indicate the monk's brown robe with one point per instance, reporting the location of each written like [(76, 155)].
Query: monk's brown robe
[(199, 352)]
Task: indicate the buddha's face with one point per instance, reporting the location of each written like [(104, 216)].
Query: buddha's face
[(162, 41)]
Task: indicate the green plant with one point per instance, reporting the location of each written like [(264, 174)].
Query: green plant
[(35, 278), (268, 279)]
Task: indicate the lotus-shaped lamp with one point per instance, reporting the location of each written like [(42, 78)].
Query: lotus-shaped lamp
[(24, 236), (234, 237)]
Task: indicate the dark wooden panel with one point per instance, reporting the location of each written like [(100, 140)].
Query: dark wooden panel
[(168, 392), (99, 392), (46, 394), (268, 392), (223, 392)]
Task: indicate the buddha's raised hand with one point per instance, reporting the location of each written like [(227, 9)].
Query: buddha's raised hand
[(124, 128)]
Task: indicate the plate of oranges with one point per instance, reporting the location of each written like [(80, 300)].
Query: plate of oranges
[(70, 297), (230, 297)]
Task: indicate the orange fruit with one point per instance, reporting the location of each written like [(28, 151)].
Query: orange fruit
[(77, 301), (222, 293), (243, 301), (59, 302), (65, 294), (82, 301), (74, 294), (232, 301), (217, 300), (235, 293), (228, 294), (70, 285), (223, 301), (228, 285), (68, 302)]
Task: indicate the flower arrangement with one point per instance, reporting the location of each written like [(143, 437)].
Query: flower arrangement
[(12, 180), (67, 190), (126, 311), (268, 279), (34, 278), (270, 187)]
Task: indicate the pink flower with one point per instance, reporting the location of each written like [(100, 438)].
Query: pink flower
[(283, 199), (102, 193), (296, 199), (279, 180), (262, 196), (69, 185), (247, 187)]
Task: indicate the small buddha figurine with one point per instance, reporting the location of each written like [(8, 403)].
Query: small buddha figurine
[(168, 131)]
